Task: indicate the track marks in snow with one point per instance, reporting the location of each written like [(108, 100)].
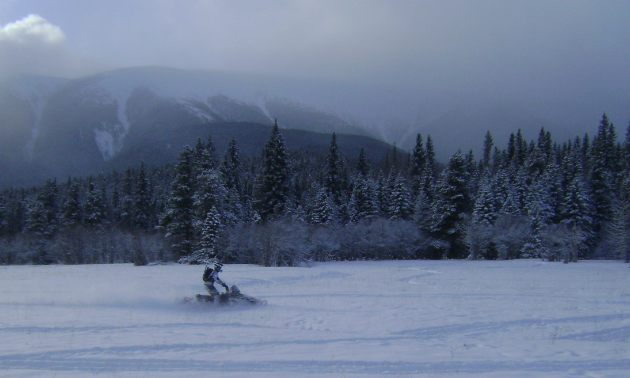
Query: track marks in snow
[(135, 327), (98, 365), (608, 334), (479, 328)]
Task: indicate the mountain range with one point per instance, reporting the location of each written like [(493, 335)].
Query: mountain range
[(73, 127)]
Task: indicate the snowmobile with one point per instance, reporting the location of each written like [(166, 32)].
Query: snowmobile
[(231, 298)]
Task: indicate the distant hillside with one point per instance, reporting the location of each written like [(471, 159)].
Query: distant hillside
[(157, 148), (59, 127)]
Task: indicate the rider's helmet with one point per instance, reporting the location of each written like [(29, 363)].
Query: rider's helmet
[(217, 266)]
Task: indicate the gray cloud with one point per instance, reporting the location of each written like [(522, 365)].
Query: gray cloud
[(565, 59), (35, 46)]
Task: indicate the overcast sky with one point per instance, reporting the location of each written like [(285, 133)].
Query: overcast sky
[(542, 48)]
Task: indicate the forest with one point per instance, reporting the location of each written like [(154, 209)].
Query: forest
[(542, 199)]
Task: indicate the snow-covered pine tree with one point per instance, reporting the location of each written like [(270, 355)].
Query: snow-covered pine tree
[(323, 208), (43, 212), (127, 203), (485, 211), (417, 164), (487, 151), (577, 213), (601, 175), (449, 217), (422, 214), (540, 214), (179, 217), (400, 205), (362, 202), (210, 233), (274, 182), (71, 213), (334, 180), (205, 156), (209, 193), (142, 200), (94, 206), (617, 234), (363, 168), (3, 216), (231, 167), (381, 194)]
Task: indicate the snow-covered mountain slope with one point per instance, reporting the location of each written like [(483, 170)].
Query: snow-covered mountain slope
[(500, 319), (75, 126)]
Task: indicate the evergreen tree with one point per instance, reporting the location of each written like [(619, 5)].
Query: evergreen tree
[(274, 182), (211, 229), (625, 157), (209, 193), (487, 150), (578, 214), (423, 215), (127, 203), (485, 211), (430, 162), (400, 205), (180, 213), (601, 175), (619, 233), (363, 168), (4, 225), (44, 211), (142, 200), (418, 158), (362, 202), (334, 180), (71, 213), (231, 167), (323, 208), (93, 208), (545, 144), (452, 198), (205, 156), (540, 214)]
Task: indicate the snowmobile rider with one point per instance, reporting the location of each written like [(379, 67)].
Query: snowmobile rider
[(210, 276)]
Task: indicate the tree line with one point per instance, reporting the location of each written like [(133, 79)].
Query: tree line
[(531, 199)]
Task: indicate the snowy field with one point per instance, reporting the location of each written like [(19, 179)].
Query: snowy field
[(346, 319)]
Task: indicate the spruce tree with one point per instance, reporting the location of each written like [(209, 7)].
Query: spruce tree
[(418, 157), (487, 151), (142, 200), (43, 213), (363, 168), (452, 199), (485, 211), (323, 208), (94, 207), (540, 214), (180, 213), (231, 167), (127, 203), (578, 214), (417, 165), (362, 202), (333, 179), (210, 233), (71, 213), (274, 181), (3, 216), (400, 205), (601, 175)]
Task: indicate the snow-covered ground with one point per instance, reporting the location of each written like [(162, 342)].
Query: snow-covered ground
[(423, 318)]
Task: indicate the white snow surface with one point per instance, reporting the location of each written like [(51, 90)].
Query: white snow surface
[(521, 318)]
